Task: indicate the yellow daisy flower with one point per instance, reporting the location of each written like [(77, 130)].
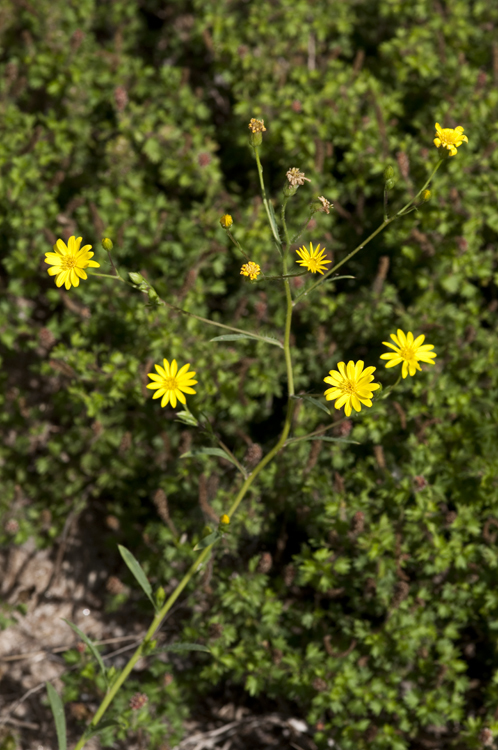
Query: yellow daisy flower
[(313, 260), (171, 383), (250, 269), (409, 351), (351, 386), (449, 138), (68, 261)]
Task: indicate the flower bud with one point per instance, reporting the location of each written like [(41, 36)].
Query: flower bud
[(390, 183), (160, 596), (426, 195), (388, 173), (257, 128), (290, 190), (224, 519), (107, 244), (226, 221)]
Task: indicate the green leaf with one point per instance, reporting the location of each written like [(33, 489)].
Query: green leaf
[(209, 452), (338, 278), (208, 540), (178, 647), (93, 730), (252, 336), (138, 572), (314, 402), (234, 337), (89, 643), (334, 440), (59, 718), (273, 222)]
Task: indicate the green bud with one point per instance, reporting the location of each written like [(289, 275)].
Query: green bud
[(256, 139), (426, 195), (107, 244), (388, 173), (390, 184), (290, 190), (206, 531), (160, 596)]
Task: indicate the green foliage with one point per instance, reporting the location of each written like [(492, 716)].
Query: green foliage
[(376, 620)]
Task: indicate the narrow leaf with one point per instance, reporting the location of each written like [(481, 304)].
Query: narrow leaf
[(94, 730), (89, 643), (315, 402), (338, 278), (335, 440), (251, 336), (177, 647), (208, 540), (59, 718), (209, 452), (138, 572), (273, 222)]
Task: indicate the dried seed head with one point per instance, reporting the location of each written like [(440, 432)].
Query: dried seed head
[(296, 177)]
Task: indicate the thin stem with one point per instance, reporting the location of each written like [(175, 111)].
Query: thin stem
[(344, 260), (238, 245), (112, 263), (284, 223), (386, 204), (298, 234), (236, 462), (402, 211), (265, 200)]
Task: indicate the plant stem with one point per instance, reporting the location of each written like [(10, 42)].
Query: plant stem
[(156, 622), (402, 211), (271, 218)]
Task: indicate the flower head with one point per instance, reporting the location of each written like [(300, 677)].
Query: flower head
[(250, 269), (296, 177), (313, 260), (68, 261), (409, 351), (449, 138), (257, 126), (224, 519), (351, 386), (326, 205), (171, 383), (226, 221)]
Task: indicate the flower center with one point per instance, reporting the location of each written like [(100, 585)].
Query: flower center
[(170, 384), (68, 262), (449, 136), (313, 265), (408, 354), (349, 386)]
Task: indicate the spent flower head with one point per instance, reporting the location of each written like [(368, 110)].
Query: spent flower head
[(351, 386), (408, 351), (250, 269), (449, 138), (171, 383), (326, 205), (226, 221), (313, 259), (68, 261), (296, 177)]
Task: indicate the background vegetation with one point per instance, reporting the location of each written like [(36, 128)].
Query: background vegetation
[(357, 589)]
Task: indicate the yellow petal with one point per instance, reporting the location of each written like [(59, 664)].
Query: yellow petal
[(166, 368), (165, 399)]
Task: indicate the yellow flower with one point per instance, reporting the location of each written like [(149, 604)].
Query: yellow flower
[(449, 138), (409, 351), (250, 269), (257, 126), (68, 261), (224, 519), (313, 260), (172, 383), (226, 221), (351, 386)]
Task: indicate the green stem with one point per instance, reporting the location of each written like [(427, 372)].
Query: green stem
[(156, 622), (298, 234), (402, 211), (344, 260), (265, 200), (284, 224), (237, 245)]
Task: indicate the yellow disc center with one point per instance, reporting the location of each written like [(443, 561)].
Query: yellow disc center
[(68, 262)]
